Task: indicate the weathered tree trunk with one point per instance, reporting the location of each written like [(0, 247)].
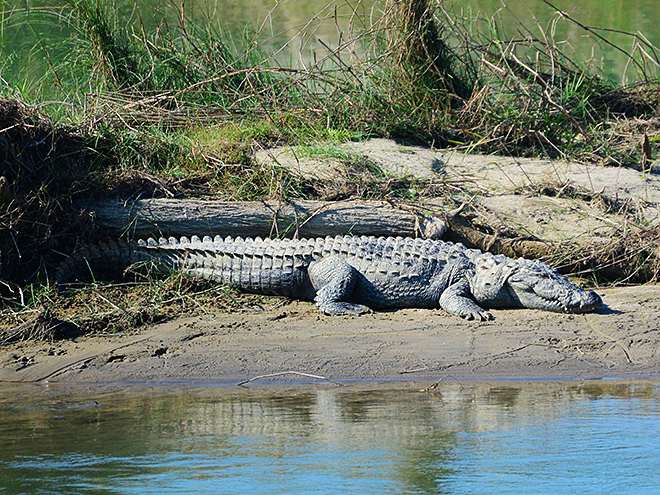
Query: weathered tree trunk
[(165, 217), (464, 232), (176, 217)]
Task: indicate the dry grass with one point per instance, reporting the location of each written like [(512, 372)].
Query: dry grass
[(104, 308)]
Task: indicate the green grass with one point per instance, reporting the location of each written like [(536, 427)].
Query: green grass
[(420, 73)]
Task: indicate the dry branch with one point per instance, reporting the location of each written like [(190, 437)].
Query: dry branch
[(270, 375)]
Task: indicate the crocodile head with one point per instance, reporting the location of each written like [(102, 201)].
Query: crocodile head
[(502, 282)]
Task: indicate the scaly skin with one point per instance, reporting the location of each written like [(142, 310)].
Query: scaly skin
[(350, 275)]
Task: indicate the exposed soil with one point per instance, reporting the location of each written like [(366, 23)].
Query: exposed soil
[(621, 339), (600, 221)]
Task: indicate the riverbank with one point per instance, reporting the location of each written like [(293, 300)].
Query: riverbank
[(600, 219), (619, 340), (208, 334), (182, 114)]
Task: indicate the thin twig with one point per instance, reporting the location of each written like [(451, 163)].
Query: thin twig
[(289, 373)]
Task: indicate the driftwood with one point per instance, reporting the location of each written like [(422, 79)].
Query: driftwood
[(464, 232), (165, 217), (176, 217)]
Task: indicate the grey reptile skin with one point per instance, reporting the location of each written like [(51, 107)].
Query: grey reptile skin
[(350, 275)]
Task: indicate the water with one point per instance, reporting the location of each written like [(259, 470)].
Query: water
[(614, 20), (509, 437), (24, 60)]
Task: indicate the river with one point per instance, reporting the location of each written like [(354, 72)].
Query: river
[(565, 437), (315, 24)]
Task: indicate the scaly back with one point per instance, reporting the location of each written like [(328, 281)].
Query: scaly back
[(269, 266)]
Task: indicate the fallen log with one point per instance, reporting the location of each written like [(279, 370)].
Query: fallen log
[(175, 217), (180, 217)]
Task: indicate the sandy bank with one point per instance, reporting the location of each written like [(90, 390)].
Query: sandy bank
[(619, 340)]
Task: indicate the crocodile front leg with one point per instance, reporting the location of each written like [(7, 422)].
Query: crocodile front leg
[(334, 279), (456, 300)]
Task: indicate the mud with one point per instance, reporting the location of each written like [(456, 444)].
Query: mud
[(621, 339)]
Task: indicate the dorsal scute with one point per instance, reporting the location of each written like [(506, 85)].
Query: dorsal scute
[(378, 249), (288, 253)]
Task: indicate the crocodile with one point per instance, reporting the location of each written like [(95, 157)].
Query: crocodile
[(349, 274)]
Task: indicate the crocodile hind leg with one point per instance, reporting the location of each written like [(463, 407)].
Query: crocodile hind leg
[(334, 279)]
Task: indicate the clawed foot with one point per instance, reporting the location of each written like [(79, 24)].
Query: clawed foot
[(480, 315), (342, 308)]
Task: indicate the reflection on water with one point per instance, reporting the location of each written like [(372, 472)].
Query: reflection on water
[(33, 31), (506, 437), (613, 22)]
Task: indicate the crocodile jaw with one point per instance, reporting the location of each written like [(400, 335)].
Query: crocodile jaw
[(500, 282), (548, 290)]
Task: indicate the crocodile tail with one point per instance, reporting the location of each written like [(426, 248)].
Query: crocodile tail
[(112, 257)]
